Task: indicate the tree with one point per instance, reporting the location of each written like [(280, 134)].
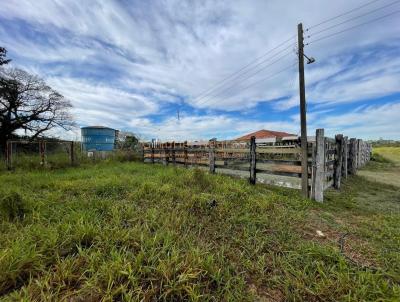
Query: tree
[(127, 141), (3, 54), (28, 103)]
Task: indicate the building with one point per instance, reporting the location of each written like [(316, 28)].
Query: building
[(98, 138), (268, 136)]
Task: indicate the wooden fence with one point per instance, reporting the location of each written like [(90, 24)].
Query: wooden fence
[(279, 163)]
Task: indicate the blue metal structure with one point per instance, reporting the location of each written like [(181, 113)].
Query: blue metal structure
[(98, 138)]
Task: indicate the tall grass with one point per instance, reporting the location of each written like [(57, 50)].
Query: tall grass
[(134, 232)]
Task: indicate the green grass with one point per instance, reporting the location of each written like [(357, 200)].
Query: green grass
[(390, 153), (116, 231)]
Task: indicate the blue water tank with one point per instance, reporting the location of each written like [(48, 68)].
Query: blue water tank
[(98, 138)]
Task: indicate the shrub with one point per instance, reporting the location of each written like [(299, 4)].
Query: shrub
[(13, 207)]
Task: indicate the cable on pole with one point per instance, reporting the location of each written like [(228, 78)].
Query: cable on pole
[(353, 27), (354, 18), (245, 66), (258, 71), (240, 75), (270, 76), (342, 14)]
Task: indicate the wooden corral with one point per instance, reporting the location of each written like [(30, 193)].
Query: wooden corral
[(277, 163)]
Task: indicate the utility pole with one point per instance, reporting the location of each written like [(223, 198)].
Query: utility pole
[(303, 118)]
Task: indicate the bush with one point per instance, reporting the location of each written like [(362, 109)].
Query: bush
[(13, 207)]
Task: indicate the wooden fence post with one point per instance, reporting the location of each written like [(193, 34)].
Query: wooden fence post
[(253, 160), (173, 153), (9, 155), (339, 161), (152, 152), (165, 153), (359, 153), (313, 161), (353, 156), (319, 180), (211, 155), (345, 157), (185, 154)]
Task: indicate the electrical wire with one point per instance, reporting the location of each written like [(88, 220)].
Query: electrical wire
[(352, 19), (270, 76), (247, 65), (240, 75), (252, 75), (352, 27), (342, 14)]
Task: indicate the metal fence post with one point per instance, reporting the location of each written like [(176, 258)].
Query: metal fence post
[(42, 151), (72, 155), (9, 155)]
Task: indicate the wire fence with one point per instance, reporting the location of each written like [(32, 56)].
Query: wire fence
[(49, 154)]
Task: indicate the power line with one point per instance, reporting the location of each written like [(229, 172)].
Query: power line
[(352, 27), (258, 71), (343, 14), (270, 76), (352, 19), (240, 75), (244, 67)]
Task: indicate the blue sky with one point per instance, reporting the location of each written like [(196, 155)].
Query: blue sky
[(132, 65)]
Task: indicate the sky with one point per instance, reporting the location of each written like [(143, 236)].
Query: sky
[(138, 65)]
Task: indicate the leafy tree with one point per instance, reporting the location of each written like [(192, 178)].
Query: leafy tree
[(127, 141), (28, 103)]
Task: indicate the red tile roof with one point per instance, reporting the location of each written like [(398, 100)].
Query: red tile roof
[(265, 134)]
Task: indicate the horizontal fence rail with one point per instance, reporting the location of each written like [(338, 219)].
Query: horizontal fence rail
[(278, 163)]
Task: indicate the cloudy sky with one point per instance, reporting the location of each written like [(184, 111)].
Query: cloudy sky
[(134, 65)]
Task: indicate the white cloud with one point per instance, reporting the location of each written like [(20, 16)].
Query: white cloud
[(143, 56)]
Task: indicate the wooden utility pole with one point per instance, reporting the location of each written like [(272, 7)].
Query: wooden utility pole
[(303, 119)]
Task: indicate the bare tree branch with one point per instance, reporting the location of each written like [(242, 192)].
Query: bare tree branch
[(28, 103)]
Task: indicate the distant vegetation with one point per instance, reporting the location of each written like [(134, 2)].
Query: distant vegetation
[(385, 143)]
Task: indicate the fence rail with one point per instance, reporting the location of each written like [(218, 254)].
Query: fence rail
[(329, 159)]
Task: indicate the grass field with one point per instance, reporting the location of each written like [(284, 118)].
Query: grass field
[(136, 232)]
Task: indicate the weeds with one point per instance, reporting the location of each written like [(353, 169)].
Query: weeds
[(136, 232), (13, 207)]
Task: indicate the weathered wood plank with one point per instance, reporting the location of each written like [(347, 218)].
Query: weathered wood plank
[(339, 160), (345, 157), (319, 179), (211, 156), (279, 151), (353, 156)]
